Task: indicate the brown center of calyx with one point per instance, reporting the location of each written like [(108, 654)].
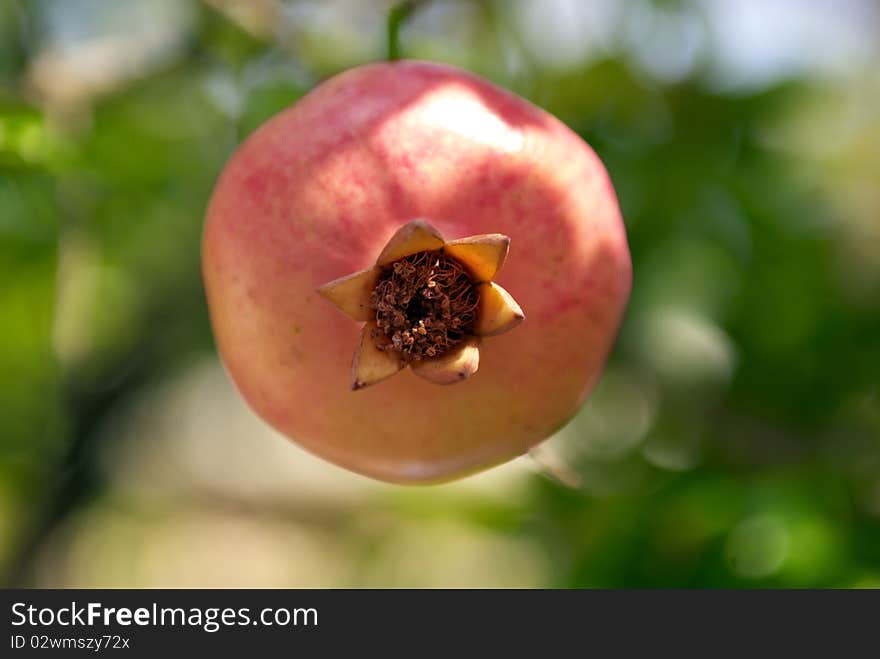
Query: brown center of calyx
[(425, 304)]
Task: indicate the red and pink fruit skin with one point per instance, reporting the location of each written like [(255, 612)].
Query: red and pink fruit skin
[(315, 193)]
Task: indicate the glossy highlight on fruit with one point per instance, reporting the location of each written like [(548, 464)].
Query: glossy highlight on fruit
[(315, 197)]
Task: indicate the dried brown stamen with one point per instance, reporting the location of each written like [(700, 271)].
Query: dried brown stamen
[(425, 304)]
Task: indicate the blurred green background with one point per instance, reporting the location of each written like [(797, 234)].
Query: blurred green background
[(734, 440)]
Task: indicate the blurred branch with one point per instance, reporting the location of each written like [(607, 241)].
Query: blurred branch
[(396, 17)]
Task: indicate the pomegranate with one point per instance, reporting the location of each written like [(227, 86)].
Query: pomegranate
[(392, 193)]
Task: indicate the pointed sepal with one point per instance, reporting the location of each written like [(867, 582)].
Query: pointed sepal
[(454, 366), (351, 294), (498, 311), (482, 255), (371, 364), (413, 237)]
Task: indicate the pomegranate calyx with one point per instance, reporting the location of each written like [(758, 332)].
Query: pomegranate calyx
[(426, 304)]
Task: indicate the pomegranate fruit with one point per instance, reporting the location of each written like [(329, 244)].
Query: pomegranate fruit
[(363, 193)]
